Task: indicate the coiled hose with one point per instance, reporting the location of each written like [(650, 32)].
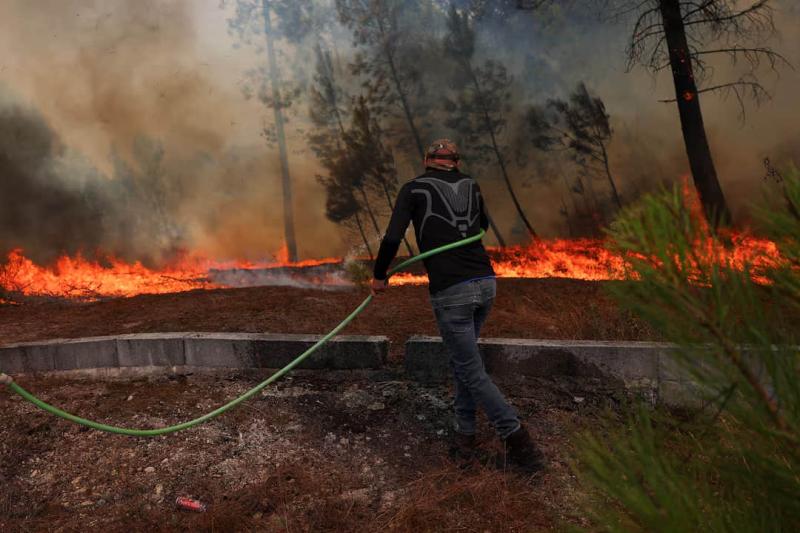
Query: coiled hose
[(9, 382)]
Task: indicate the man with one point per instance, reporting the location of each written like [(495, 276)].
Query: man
[(446, 206)]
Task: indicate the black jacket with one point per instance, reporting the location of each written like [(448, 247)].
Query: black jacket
[(445, 206)]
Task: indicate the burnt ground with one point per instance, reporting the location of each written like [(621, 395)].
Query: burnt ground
[(319, 451), (524, 308), (356, 451)]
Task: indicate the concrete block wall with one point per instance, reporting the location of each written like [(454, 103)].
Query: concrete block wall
[(227, 350), (647, 367)]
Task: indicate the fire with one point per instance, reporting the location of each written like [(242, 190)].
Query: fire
[(584, 259), (80, 278)]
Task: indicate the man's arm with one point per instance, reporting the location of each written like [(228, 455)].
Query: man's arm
[(398, 224)]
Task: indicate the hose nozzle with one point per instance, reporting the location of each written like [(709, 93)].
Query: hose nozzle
[(5, 379)]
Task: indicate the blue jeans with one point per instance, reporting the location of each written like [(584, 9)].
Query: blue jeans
[(460, 312)]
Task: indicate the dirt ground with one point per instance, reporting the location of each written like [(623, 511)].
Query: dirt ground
[(524, 308), (360, 451), (320, 451)]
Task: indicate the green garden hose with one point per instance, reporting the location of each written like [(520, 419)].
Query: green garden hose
[(4, 379)]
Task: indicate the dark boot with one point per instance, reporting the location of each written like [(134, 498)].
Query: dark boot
[(463, 448), (521, 453)]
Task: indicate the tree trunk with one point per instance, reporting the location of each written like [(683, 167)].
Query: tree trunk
[(369, 211), (288, 215), (571, 194), (364, 237), (614, 192), (401, 93), (498, 155), (500, 240), (694, 133)]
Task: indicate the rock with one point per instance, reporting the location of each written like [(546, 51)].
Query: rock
[(577, 399), (149, 470), (376, 406), (86, 503)]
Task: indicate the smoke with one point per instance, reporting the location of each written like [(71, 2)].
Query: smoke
[(38, 209), (147, 144), (123, 128)]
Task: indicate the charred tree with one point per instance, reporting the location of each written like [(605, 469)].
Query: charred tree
[(683, 37), (694, 132)]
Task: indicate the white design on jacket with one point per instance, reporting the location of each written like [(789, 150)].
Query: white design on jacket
[(458, 199)]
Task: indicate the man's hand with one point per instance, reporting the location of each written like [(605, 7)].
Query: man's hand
[(378, 286)]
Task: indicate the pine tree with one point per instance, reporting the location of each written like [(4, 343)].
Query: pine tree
[(255, 17), (735, 464), (580, 125), (683, 37), (477, 113), (389, 50)]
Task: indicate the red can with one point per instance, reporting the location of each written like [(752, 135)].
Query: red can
[(190, 504)]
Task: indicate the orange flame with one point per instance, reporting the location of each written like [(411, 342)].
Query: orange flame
[(77, 277), (585, 259)]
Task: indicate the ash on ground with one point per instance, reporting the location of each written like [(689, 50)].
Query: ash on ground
[(328, 276), (333, 450)]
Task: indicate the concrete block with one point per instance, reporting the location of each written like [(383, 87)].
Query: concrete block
[(12, 359), (674, 393), (231, 350), (150, 350), (426, 359), (219, 350), (99, 352), (275, 351), (634, 363), (60, 354)]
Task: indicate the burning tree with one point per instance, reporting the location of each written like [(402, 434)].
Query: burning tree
[(478, 111), (580, 125), (685, 37)]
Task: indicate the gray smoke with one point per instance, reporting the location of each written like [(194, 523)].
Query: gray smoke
[(125, 131), (37, 209)]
